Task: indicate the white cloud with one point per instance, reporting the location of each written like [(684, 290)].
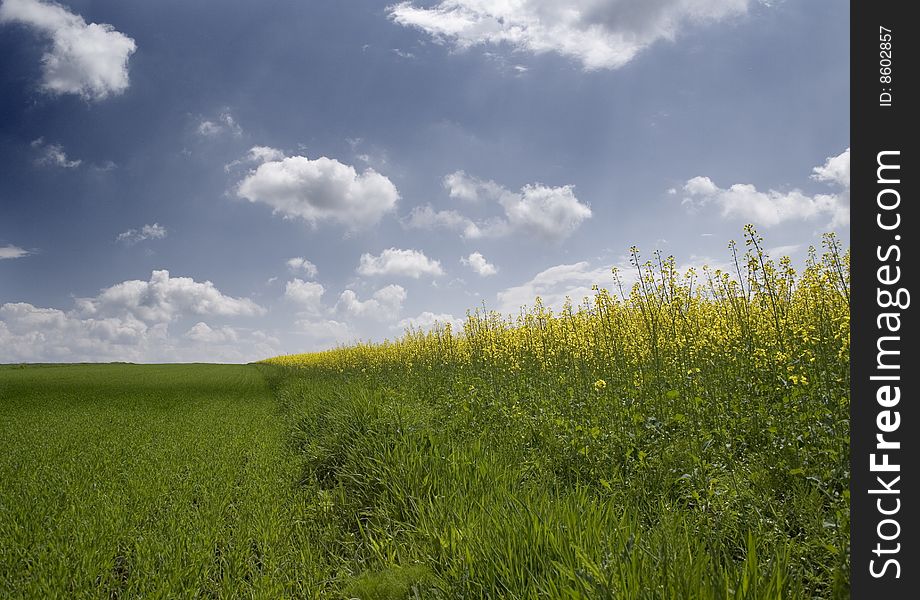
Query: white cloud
[(745, 201), (781, 251), (549, 213), (147, 232), (553, 285), (600, 34), (53, 155), (835, 170), (164, 298), (700, 186), (461, 186), (307, 295), (383, 305), (575, 282), (256, 155), (426, 217), (33, 334), (427, 320), (202, 333), (209, 128), (323, 332), (320, 190), (223, 123), (298, 263), (479, 264), (403, 53), (90, 60), (261, 154), (406, 263), (130, 321), (10, 251)]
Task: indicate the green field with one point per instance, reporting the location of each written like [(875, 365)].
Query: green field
[(122, 481), (190, 481)]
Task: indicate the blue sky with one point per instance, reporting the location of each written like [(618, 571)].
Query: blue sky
[(226, 181)]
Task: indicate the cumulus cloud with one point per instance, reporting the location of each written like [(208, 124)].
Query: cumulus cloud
[(53, 155), (30, 333), (261, 154), (130, 322), (202, 333), (320, 190), (835, 170), (307, 295), (300, 264), (554, 285), (405, 263), (461, 186), (427, 321), (575, 282), (224, 122), (256, 155), (769, 208), (89, 60), (548, 213), (164, 298), (322, 333), (478, 263), (147, 232), (600, 34), (10, 251), (552, 213), (383, 305), (426, 217)]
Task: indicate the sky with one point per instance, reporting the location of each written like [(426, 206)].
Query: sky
[(228, 181)]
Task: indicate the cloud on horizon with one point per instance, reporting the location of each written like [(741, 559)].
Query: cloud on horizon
[(130, 321), (771, 208)]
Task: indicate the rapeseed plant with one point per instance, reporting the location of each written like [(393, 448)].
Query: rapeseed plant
[(687, 438)]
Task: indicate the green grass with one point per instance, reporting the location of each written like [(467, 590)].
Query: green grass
[(220, 481), (422, 499), (129, 481)]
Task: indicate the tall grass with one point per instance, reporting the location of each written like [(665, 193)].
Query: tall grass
[(687, 438)]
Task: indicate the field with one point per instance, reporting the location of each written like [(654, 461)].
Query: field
[(130, 481), (685, 438), (688, 438)]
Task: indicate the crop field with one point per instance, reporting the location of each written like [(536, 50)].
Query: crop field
[(683, 437), (131, 481), (687, 438)]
